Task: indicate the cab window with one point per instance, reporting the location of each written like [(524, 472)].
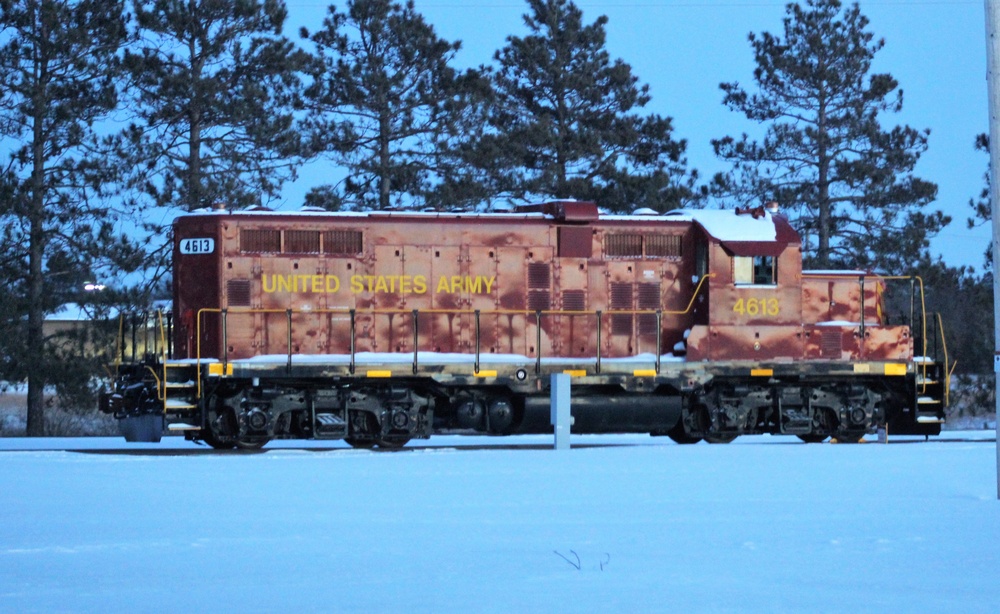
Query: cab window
[(754, 270)]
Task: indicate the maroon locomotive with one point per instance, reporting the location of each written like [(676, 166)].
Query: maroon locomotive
[(380, 327)]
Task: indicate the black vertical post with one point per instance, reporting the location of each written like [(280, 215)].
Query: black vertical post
[(598, 368), (416, 339), (288, 320), (659, 339), (538, 341), (350, 367), (475, 366)]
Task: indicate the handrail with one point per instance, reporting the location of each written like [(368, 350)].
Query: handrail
[(923, 306), (944, 348), (415, 312), (161, 391)]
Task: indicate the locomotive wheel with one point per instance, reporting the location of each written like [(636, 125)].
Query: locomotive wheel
[(219, 441), (216, 443), (363, 444), (252, 445), (727, 438), (812, 438), (392, 444), (680, 436)]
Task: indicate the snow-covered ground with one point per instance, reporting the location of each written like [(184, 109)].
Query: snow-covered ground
[(623, 523)]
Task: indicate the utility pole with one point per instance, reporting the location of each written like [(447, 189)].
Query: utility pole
[(992, 84)]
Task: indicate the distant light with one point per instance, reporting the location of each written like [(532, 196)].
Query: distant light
[(92, 287)]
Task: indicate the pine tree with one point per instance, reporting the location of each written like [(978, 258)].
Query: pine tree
[(214, 85), (565, 120), (847, 182), (982, 206), (59, 64), (383, 100)]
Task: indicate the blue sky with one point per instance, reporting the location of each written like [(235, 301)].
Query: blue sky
[(684, 48)]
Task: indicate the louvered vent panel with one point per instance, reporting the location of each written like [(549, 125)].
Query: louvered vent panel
[(238, 292), (621, 299), (343, 242), (539, 300), (621, 295), (257, 241), (648, 298), (301, 241), (832, 343), (538, 275), (574, 300)]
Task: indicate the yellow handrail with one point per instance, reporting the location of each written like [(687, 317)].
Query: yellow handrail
[(944, 348), (347, 311)]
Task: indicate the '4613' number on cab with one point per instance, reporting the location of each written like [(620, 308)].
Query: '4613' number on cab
[(757, 307)]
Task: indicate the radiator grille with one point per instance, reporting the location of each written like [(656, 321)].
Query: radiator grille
[(663, 246), (301, 242), (623, 246), (260, 241), (343, 242)]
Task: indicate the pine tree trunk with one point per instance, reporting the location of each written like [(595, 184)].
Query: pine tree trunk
[(35, 346), (823, 188), (384, 187), (195, 193)]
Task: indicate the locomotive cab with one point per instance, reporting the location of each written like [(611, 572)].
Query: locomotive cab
[(754, 303)]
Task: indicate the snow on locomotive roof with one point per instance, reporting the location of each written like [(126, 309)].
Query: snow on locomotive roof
[(727, 225), (722, 224), (313, 212)]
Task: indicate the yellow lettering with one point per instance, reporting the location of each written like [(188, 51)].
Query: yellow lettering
[(475, 285), (269, 289), (442, 285), (335, 286), (284, 283), (317, 283), (489, 284), (420, 284), (380, 285), (457, 283), (356, 285), (404, 284)]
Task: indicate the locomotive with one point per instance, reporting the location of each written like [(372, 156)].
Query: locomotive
[(379, 327)]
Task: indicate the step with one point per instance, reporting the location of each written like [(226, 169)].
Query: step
[(180, 426), (929, 420), (329, 420), (178, 404)]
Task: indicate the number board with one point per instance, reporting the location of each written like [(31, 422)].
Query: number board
[(197, 246)]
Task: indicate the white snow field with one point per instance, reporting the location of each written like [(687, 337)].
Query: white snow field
[(618, 523)]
